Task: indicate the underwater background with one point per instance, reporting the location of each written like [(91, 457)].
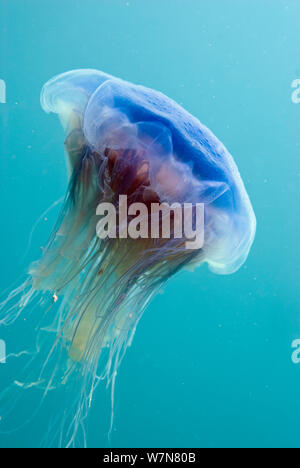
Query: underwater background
[(211, 361)]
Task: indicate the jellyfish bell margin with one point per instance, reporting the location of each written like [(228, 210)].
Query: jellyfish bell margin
[(121, 140)]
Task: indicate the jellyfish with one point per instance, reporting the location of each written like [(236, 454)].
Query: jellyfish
[(121, 139)]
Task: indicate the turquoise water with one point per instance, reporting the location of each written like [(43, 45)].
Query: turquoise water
[(210, 365)]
